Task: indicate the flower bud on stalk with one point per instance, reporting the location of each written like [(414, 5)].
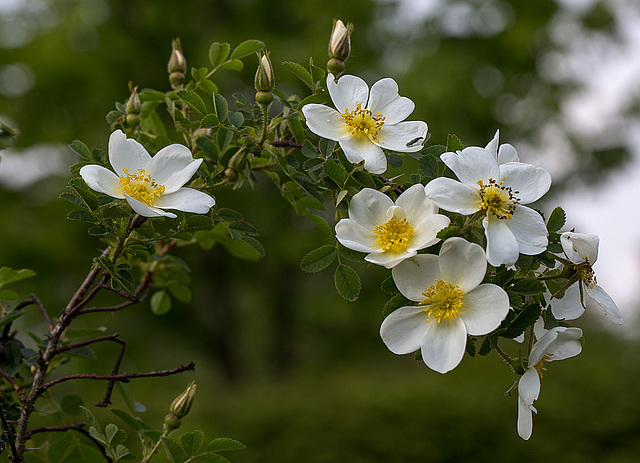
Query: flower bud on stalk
[(264, 80), (177, 65), (236, 165), (133, 108), (180, 407), (339, 47)]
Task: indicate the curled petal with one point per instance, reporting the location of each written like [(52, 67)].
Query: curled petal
[(369, 208), (147, 211), (389, 259), (415, 203), (453, 196), (102, 180), (325, 121), (348, 92), (398, 137), (507, 153), (525, 420), (529, 386), (597, 297), (579, 247), (425, 232), (353, 236), (412, 277), (359, 148), (471, 165), (443, 344), (402, 331), (569, 306), (126, 153), (186, 200)]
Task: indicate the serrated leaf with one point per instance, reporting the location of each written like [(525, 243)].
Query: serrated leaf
[(470, 348), (193, 100), (299, 72), (255, 244), (127, 418), (211, 458), (347, 282), (448, 232), (235, 118), (336, 172), (233, 65), (428, 165), (81, 216), (316, 98), (160, 303), (307, 202), (557, 219), (318, 259), (321, 223), (434, 150), (173, 450), (246, 48), (81, 149), (191, 442), (528, 287), (296, 129), (488, 343), (523, 320), (364, 179), (208, 121), (224, 444), (394, 303), (220, 106), (389, 286), (218, 52), (453, 143), (9, 275)]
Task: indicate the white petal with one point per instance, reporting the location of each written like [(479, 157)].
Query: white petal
[(525, 420), (353, 236), (453, 196), (348, 92), (369, 207), (147, 211), (597, 297), (502, 246), (471, 165), (529, 230), (359, 148), (396, 137), (507, 153), (415, 203), (384, 99), (424, 232), (566, 345), (126, 153), (402, 331), (414, 276), (484, 308), (529, 386), (579, 247), (325, 121), (389, 259), (173, 166), (492, 146), (529, 183), (101, 180), (462, 263), (186, 200), (569, 307), (443, 344)]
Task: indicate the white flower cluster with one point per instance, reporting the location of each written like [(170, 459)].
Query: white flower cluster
[(451, 302)]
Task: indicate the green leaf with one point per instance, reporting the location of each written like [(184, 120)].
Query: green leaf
[(235, 118), (528, 287), (300, 72), (395, 302), (70, 405), (233, 65), (208, 121), (114, 435), (389, 286), (224, 444), (8, 295), (321, 223), (557, 219), (255, 244), (336, 172), (364, 179), (160, 303), (347, 282), (211, 458), (60, 449), (228, 215), (523, 320), (218, 52), (193, 100), (241, 250), (220, 107), (453, 143), (81, 216), (448, 232), (296, 129), (350, 254), (8, 275), (127, 418), (318, 259), (434, 150), (316, 98), (246, 48), (307, 202), (428, 165), (81, 149), (191, 442), (173, 450)]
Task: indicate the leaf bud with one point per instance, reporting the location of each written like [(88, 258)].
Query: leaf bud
[(265, 79), (340, 41), (182, 404), (264, 98), (177, 65), (238, 161)]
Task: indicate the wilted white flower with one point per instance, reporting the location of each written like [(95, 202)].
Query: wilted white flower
[(452, 304), (390, 232), (365, 122), (148, 184)]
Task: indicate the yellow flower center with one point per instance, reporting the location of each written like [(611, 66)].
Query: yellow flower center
[(363, 122), (587, 275), (540, 365), (497, 198), (444, 301), (140, 186), (394, 236)]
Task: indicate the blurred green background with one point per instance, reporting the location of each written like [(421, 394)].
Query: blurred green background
[(283, 363)]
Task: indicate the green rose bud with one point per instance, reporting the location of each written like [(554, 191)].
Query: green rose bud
[(340, 41), (265, 79), (177, 65), (182, 404)]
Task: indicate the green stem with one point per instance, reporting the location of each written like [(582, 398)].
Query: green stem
[(514, 364), (155, 448)]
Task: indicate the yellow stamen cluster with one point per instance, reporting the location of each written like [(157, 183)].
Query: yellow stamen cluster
[(498, 199), (363, 122), (540, 365), (394, 235), (444, 301), (587, 275), (140, 186)]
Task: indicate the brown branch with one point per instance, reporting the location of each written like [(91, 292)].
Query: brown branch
[(124, 378), (112, 308), (44, 313), (15, 386), (6, 430), (285, 144), (86, 284)]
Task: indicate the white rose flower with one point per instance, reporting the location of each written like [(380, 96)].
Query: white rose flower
[(557, 344), (390, 232), (452, 304), (148, 184), (365, 122), (582, 251), (500, 190)]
